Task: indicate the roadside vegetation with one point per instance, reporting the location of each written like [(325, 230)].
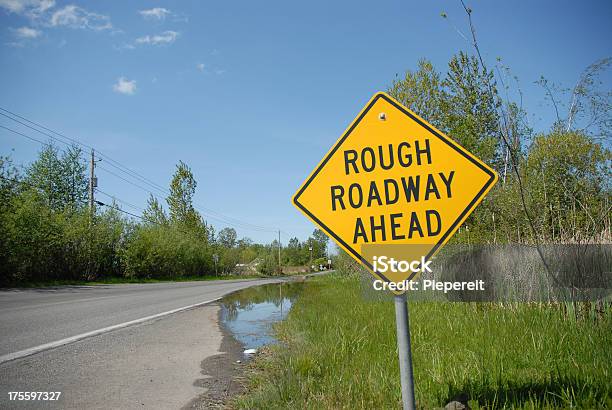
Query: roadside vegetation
[(50, 236), (485, 354)]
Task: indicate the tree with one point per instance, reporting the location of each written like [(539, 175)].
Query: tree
[(269, 262), (60, 180), (460, 104), (73, 182), (293, 253), (9, 191), (154, 213), (10, 181), (421, 91), (227, 237), (180, 200), (569, 184), (470, 111), (319, 244)]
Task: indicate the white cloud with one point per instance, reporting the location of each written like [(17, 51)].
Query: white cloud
[(200, 67), (157, 13), (23, 36), (43, 14), (76, 17), (167, 37), (26, 33), (28, 7), (125, 86)]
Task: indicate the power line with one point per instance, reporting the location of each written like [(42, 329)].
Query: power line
[(126, 180), (286, 234), (120, 210), (153, 185), (220, 217), (114, 198), (40, 126), (217, 216), (111, 161), (25, 136), (157, 197)]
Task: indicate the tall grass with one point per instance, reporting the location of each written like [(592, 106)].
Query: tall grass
[(339, 352)]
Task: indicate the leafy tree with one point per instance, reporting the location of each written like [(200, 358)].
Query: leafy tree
[(74, 183), (10, 185), (294, 255), (248, 251), (154, 213), (180, 200), (319, 244), (60, 179), (10, 181), (569, 182), (459, 104), (269, 263), (227, 237), (470, 111), (421, 91)]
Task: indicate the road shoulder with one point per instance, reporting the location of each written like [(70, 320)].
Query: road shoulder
[(223, 373)]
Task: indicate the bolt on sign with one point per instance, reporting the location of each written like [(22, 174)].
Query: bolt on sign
[(390, 181)]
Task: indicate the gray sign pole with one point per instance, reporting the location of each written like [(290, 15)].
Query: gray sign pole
[(405, 355)]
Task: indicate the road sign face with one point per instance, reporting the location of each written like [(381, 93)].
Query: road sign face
[(392, 180)]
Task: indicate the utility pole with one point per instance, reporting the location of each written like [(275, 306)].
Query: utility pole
[(92, 185), (310, 249), (280, 269)]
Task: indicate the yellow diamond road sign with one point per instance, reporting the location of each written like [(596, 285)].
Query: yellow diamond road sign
[(393, 180)]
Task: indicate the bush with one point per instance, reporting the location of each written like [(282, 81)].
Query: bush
[(166, 251), (40, 244)]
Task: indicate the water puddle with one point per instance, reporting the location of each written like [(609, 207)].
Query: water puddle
[(250, 313)]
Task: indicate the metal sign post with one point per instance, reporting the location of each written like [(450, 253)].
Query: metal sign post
[(404, 350)]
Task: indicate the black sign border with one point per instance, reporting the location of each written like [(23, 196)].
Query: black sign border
[(490, 182)]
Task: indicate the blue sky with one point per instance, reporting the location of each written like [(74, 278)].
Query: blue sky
[(252, 94)]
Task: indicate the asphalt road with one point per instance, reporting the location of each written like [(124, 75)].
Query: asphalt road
[(92, 344)]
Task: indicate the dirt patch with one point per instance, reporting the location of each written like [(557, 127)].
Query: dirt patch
[(223, 374)]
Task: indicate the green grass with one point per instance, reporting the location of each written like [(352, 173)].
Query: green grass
[(120, 280), (339, 351)]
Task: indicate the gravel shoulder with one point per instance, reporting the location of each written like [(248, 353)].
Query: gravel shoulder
[(222, 374)]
